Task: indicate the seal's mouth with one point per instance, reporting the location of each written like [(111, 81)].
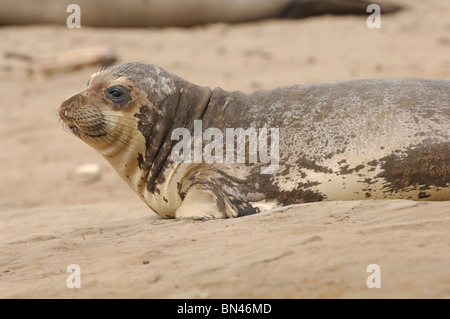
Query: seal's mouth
[(79, 125), (64, 116), (74, 130), (96, 135), (100, 127)]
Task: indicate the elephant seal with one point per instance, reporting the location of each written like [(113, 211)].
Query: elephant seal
[(364, 139), (179, 13)]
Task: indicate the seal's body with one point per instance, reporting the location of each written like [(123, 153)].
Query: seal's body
[(179, 13), (374, 139)]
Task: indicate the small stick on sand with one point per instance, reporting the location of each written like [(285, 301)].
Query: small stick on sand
[(66, 61)]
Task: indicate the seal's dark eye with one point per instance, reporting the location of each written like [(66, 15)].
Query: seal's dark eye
[(115, 93), (118, 94)]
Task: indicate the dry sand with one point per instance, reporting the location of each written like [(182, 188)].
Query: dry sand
[(51, 218)]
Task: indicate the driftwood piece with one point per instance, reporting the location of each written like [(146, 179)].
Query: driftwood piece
[(66, 61)]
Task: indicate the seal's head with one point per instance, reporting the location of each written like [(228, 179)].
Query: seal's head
[(127, 113), (105, 115)]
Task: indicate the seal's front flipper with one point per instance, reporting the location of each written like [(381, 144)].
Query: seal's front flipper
[(202, 203)]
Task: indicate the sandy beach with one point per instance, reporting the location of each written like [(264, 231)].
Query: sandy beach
[(52, 217)]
